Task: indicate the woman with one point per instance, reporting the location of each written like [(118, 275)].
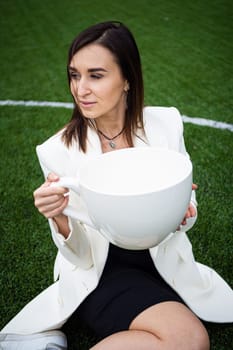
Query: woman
[(149, 299)]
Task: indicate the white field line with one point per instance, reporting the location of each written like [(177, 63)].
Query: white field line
[(36, 104), (207, 122), (186, 119)]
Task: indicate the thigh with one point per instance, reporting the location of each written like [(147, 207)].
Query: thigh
[(174, 323), (120, 297)]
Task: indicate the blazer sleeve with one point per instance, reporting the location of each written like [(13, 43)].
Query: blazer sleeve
[(182, 149), (164, 128), (54, 157)]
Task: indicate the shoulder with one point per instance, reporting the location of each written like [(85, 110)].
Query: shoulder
[(53, 154), (51, 145), (163, 126), (162, 116)]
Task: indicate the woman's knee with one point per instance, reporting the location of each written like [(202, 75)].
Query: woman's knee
[(174, 325), (194, 339), (199, 339)]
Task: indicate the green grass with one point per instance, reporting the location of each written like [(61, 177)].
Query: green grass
[(186, 52)]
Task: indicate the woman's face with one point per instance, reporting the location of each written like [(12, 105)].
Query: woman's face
[(97, 84)]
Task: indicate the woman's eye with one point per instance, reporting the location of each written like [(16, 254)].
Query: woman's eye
[(75, 76), (96, 76)]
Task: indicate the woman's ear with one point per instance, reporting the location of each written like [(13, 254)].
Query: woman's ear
[(126, 87)]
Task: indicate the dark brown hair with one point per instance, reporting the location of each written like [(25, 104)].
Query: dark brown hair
[(117, 38)]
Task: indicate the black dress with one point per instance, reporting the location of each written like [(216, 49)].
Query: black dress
[(129, 284)]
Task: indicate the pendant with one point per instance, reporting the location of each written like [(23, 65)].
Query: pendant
[(112, 144)]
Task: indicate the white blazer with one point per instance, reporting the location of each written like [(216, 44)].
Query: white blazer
[(82, 256)]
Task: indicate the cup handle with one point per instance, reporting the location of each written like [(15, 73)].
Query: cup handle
[(68, 182), (72, 184)]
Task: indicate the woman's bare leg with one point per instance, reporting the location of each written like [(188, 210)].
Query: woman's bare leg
[(165, 326), (127, 340)]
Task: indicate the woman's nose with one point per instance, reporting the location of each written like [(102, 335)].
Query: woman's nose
[(82, 87)]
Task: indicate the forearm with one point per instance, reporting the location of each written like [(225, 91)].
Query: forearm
[(76, 247), (62, 225)]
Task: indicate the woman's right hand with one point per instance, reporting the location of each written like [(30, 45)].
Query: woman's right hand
[(49, 200)]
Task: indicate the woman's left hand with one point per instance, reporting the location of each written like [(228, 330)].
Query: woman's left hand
[(191, 211)]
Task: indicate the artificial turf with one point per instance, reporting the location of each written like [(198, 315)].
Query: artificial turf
[(186, 50)]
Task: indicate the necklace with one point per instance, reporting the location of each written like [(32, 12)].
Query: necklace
[(110, 139)]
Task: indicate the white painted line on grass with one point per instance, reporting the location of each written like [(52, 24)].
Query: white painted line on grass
[(36, 104), (207, 122), (186, 119)]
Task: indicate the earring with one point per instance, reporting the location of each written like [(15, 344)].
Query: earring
[(126, 88)]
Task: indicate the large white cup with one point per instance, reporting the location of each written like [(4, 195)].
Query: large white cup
[(136, 196)]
